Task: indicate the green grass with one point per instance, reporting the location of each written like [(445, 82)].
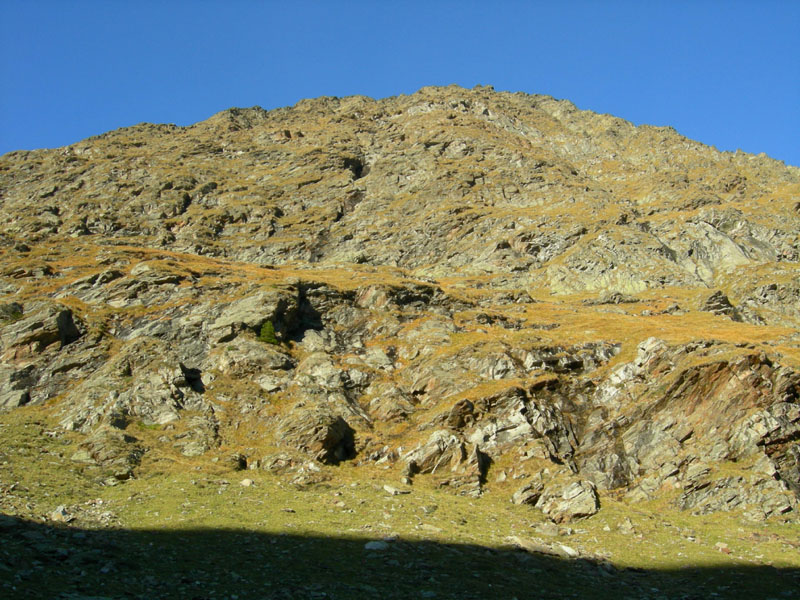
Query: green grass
[(186, 528), (148, 426)]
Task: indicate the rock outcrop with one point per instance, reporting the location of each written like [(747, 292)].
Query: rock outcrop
[(495, 291)]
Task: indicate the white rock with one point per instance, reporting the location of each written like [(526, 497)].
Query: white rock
[(568, 551)]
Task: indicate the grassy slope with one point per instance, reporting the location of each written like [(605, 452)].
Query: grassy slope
[(177, 531)]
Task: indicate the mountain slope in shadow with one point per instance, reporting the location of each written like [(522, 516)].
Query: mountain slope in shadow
[(42, 561)]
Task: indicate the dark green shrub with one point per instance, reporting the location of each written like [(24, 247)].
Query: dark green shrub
[(267, 333)]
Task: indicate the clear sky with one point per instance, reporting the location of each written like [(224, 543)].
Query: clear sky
[(725, 73)]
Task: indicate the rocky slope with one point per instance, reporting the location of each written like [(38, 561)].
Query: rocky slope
[(497, 291)]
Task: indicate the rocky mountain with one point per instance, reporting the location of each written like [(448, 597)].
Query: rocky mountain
[(495, 292)]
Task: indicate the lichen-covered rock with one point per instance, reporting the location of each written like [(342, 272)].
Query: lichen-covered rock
[(469, 477), (10, 312), (760, 496), (529, 493), (202, 435), (388, 402), (244, 357), (515, 416), (144, 382), (719, 304), (442, 452)]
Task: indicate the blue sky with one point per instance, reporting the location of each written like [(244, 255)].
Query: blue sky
[(725, 73)]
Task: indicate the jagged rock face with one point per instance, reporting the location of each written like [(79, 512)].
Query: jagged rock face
[(524, 186), (696, 403), (442, 282)]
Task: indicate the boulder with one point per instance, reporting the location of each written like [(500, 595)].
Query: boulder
[(10, 312), (563, 502), (442, 451), (719, 304), (469, 477), (244, 357), (327, 437), (388, 402), (529, 493)]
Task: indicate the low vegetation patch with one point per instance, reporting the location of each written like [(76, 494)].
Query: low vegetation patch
[(267, 333)]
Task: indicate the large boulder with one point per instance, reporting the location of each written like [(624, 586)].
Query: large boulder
[(443, 451), (327, 437), (575, 499), (719, 304)]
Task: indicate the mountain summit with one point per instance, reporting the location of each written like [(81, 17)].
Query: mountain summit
[(493, 293), (520, 190)]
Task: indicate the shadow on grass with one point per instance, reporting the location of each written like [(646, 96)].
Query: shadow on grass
[(60, 562)]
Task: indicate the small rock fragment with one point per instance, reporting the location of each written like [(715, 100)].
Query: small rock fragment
[(568, 551), (60, 515)]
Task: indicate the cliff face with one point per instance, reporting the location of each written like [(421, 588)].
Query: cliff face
[(496, 290)]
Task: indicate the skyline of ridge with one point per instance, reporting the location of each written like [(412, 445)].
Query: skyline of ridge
[(724, 75)]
